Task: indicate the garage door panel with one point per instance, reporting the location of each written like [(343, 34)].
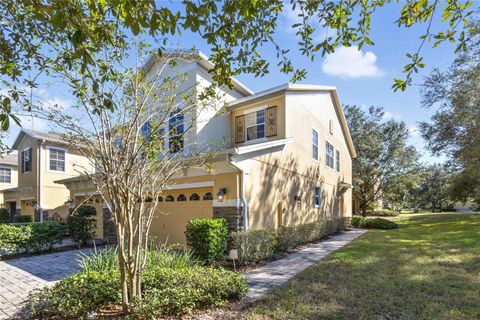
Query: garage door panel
[(171, 218)]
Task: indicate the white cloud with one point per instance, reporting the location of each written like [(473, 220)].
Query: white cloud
[(349, 62), (387, 115)]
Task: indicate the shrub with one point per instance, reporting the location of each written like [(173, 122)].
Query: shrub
[(258, 245), (379, 223), (358, 222), (32, 237), (81, 224), (75, 296), (4, 215), (208, 238), (175, 286), (23, 219), (179, 291), (14, 238), (45, 235), (383, 213)]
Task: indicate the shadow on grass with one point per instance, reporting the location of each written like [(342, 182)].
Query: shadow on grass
[(427, 269)]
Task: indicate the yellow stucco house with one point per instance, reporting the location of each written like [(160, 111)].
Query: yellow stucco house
[(42, 159), (8, 180), (288, 161)]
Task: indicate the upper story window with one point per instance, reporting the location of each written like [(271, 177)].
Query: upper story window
[(318, 197), (258, 124), (27, 160), (56, 159), (329, 155), (337, 159), (176, 131), (146, 130), (314, 144), (255, 125), (5, 175)]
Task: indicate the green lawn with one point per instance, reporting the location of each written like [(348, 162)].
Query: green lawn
[(427, 269)]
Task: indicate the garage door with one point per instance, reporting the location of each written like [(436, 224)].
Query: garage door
[(177, 208)]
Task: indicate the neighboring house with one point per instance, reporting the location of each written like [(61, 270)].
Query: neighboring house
[(42, 159), (8, 179), (288, 161)]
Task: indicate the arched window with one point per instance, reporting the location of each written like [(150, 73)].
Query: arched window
[(194, 197), (169, 198), (208, 196), (181, 197)]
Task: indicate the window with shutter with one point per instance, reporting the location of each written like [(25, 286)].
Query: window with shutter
[(239, 129), (272, 121), (27, 160)]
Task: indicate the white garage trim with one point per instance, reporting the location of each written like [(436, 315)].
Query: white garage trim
[(80, 194), (229, 203), (201, 184)]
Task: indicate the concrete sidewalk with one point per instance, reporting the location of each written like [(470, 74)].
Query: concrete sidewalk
[(262, 279)]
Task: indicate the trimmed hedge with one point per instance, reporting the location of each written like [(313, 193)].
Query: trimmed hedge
[(4, 215), (376, 223), (23, 219), (259, 245), (31, 237), (379, 223), (208, 238), (81, 224), (383, 213)]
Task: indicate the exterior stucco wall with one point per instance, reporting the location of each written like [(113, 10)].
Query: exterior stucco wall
[(13, 183), (40, 180), (277, 178)]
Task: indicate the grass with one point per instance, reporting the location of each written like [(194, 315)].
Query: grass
[(427, 269)]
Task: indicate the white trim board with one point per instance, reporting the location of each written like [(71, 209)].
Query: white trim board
[(200, 184), (229, 203)]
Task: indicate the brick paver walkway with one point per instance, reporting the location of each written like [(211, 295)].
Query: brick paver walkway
[(278, 272), (20, 276)]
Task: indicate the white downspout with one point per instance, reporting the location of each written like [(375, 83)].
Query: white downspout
[(40, 209), (242, 192)]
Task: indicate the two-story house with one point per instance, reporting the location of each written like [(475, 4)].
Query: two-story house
[(42, 159), (8, 181), (288, 161)]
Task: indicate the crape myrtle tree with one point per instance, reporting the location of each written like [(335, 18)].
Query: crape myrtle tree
[(383, 154), (454, 128), (136, 143), (37, 35)]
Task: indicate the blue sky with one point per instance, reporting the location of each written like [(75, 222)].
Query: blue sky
[(362, 77)]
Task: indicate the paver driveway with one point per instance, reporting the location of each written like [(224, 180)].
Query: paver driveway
[(20, 276)]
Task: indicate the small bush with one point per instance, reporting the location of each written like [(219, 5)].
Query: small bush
[(383, 213), (180, 291), (208, 238), (81, 224), (23, 219), (14, 238), (173, 284), (258, 245), (379, 223), (32, 237), (358, 222), (4, 215), (75, 296)]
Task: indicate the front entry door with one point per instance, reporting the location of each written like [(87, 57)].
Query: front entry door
[(13, 211)]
